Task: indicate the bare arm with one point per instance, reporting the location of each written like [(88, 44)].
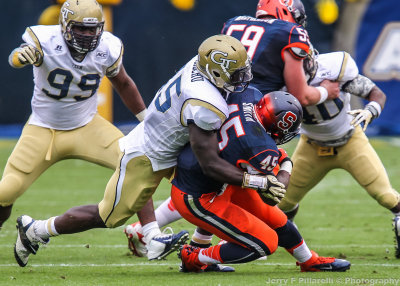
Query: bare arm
[(377, 95), (205, 146), (296, 83), (128, 91), (284, 178)]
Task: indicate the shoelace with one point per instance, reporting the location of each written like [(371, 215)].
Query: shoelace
[(167, 231)]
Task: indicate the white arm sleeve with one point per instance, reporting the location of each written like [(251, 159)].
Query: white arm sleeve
[(204, 115)]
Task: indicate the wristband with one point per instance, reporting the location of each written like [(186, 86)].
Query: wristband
[(323, 94), (141, 115), (376, 106), (286, 166), (253, 181)]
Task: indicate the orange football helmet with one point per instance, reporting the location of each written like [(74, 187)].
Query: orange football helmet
[(288, 10)]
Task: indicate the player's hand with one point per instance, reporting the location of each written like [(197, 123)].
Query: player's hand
[(28, 54), (273, 192), (332, 87), (361, 116)]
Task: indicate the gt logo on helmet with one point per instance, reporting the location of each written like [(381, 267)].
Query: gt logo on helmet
[(287, 121), (224, 62), (65, 11)]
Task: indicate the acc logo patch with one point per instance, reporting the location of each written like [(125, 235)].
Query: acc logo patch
[(102, 55), (383, 63)]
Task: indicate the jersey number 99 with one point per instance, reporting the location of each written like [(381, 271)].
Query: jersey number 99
[(64, 84)]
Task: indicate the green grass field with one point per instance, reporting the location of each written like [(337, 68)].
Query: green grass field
[(337, 218)]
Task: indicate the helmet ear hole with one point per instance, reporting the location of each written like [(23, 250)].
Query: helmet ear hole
[(216, 74)]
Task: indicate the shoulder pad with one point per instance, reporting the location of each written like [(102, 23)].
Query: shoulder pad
[(298, 52)]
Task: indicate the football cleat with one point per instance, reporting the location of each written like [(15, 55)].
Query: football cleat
[(27, 241), (317, 263), (135, 237), (190, 259), (218, 268), (396, 229), (163, 244)]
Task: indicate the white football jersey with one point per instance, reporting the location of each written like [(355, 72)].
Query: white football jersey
[(329, 120), (186, 98), (65, 91)]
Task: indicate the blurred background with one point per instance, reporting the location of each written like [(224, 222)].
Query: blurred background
[(162, 35)]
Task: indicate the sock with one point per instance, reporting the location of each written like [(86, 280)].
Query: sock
[(210, 255), (301, 252), (150, 230), (45, 228), (235, 253), (201, 240), (167, 213), (288, 235)]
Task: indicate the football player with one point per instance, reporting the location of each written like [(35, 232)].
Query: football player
[(333, 138), (277, 43), (68, 60), (190, 107), (247, 219)]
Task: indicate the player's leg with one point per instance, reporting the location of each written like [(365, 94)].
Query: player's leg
[(288, 234), (32, 233), (366, 167), (96, 142), (140, 182), (29, 159), (248, 237), (129, 188), (308, 170)]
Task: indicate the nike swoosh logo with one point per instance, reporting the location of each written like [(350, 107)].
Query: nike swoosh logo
[(326, 267)]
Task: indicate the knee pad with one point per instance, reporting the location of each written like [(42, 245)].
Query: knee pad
[(388, 199), (10, 189)]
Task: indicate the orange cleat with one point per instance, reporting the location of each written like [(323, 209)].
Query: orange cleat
[(317, 263)]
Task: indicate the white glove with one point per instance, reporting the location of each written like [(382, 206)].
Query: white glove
[(365, 115), (268, 187), (28, 54)]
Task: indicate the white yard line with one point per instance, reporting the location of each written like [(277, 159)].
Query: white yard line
[(151, 264), (316, 246)]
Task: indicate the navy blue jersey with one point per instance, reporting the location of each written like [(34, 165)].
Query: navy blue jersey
[(243, 142), (265, 41)]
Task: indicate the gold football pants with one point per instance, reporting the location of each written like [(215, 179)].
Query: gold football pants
[(38, 148), (356, 157), (130, 187)]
